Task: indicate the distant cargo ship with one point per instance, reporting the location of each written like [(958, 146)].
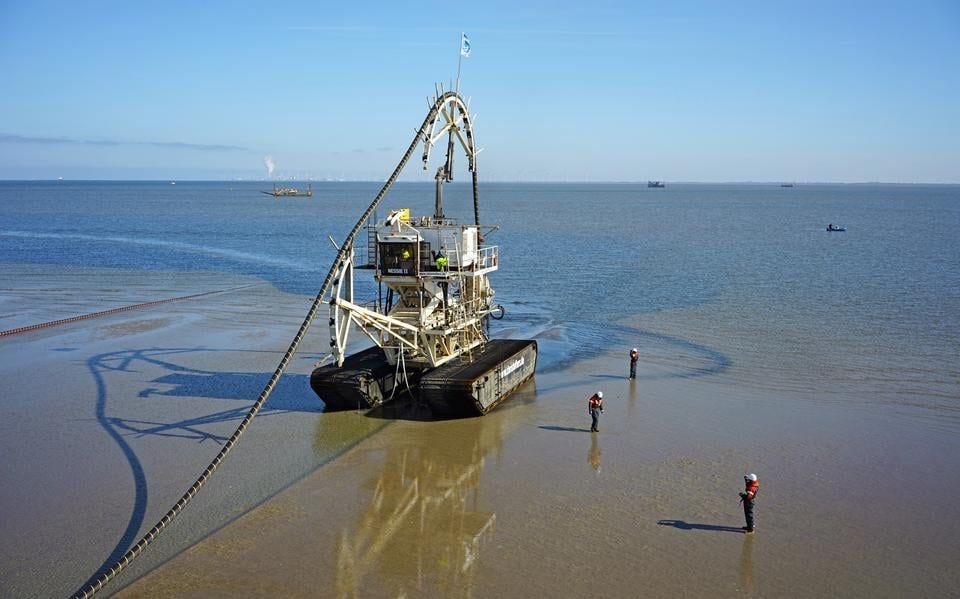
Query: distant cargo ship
[(280, 192), (656, 184)]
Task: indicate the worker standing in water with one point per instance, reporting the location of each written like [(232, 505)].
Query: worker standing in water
[(747, 497), (634, 356), (595, 408)]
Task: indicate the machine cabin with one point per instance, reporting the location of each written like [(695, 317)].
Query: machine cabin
[(436, 248)]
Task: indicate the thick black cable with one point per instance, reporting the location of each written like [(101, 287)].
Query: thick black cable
[(342, 255), (476, 199)]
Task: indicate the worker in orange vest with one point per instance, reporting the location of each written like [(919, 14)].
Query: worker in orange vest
[(595, 408), (634, 356), (747, 496)]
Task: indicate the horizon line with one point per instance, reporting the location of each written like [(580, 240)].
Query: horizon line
[(512, 181)]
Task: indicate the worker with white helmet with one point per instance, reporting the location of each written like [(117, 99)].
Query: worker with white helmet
[(747, 496), (595, 408), (634, 356)]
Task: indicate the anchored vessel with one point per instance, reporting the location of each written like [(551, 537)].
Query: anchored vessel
[(656, 184), (429, 329), (280, 192)]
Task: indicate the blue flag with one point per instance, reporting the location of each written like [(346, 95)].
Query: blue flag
[(464, 46)]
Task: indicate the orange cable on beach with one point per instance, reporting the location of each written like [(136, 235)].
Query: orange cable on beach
[(53, 323)]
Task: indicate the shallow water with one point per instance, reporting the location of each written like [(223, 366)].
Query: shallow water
[(874, 311)]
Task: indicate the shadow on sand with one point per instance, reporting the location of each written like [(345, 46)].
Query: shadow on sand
[(181, 381), (690, 526), (564, 428)]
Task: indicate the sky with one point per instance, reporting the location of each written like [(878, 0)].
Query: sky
[(563, 91)]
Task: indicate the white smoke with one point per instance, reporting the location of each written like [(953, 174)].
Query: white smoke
[(268, 162)]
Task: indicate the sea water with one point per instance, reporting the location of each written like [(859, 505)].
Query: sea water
[(871, 314)]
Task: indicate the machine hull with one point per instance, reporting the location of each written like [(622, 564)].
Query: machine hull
[(474, 385), (470, 385), (364, 381)]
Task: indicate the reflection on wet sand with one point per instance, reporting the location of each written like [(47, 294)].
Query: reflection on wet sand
[(421, 529), (746, 565), (594, 456)]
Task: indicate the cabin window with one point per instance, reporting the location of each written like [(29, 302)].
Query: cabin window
[(398, 258), (426, 262)]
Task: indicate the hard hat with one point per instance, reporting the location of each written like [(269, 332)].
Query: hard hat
[(600, 394), (634, 349), (750, 477)]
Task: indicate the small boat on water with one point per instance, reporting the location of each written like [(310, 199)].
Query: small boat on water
[(656, 184), (832, 227), (281, 192), (786, 185)]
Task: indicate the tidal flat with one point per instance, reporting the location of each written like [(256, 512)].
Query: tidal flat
[(107, 421)]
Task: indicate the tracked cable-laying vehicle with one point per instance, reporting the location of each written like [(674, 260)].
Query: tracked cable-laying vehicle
[(429, 329)]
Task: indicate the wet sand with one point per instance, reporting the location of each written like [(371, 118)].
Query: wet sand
[(525, 501), (856, 500), (105, 422)]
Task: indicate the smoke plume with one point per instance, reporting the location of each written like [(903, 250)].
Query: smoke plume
[(268, 162)]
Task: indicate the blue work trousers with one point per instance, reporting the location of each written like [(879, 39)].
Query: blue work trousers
[(595, 415)]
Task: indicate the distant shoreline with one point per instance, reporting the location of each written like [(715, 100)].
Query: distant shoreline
[(431, 183)]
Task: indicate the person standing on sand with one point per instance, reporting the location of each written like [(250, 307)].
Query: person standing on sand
[(749, 493), (634, 356), (595, 408)]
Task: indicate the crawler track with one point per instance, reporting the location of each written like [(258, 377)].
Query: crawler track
[(364, 381)]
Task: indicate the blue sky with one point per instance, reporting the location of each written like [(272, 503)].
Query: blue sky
[(585, 91)]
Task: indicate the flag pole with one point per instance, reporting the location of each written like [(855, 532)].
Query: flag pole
[(459, 60)]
